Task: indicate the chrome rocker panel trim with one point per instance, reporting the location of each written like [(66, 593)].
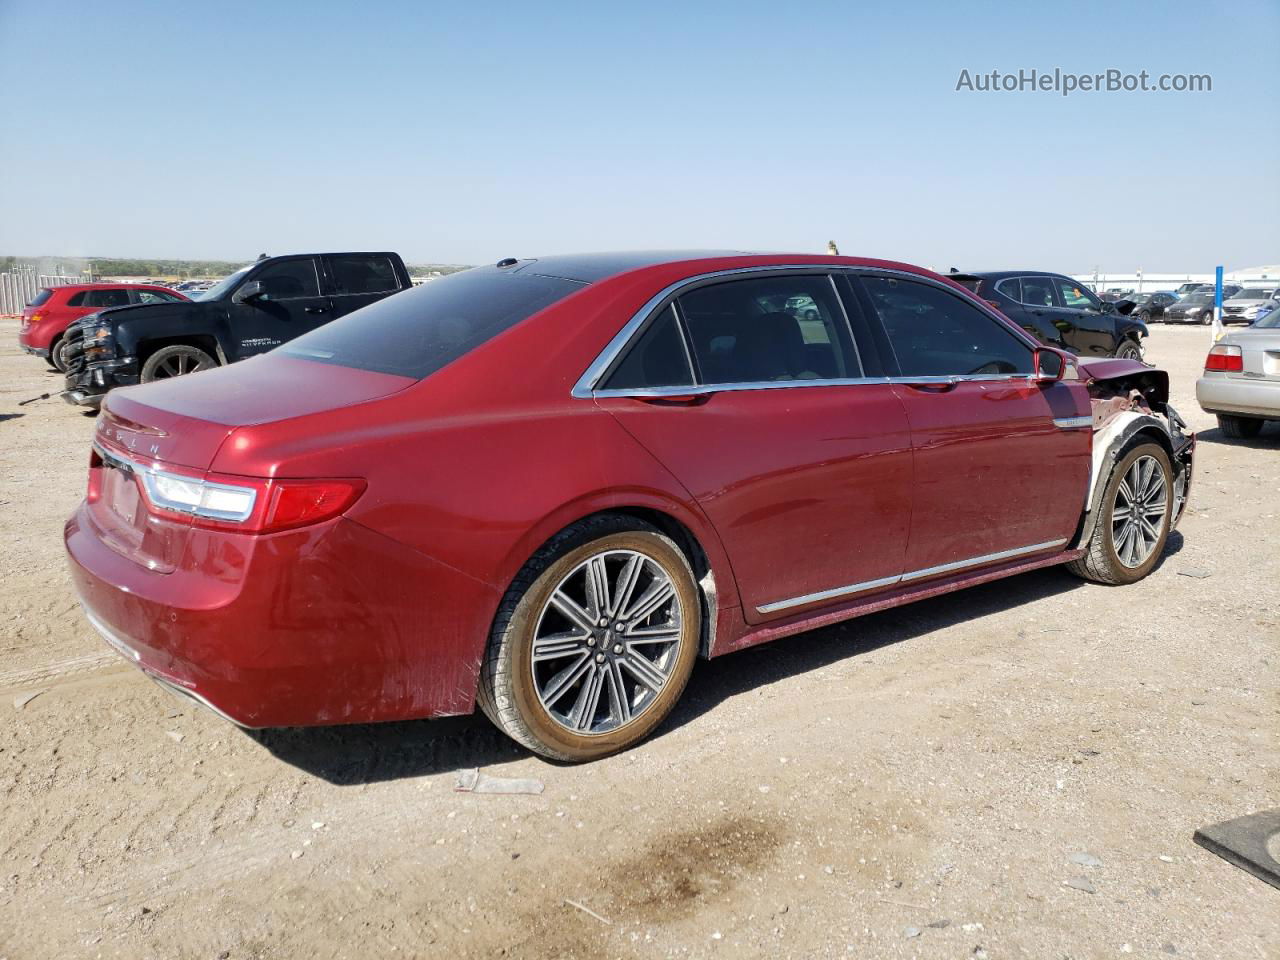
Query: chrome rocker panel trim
[(908, 577)]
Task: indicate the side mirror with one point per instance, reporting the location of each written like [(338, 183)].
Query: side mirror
[(1049, 365), (249, 292)]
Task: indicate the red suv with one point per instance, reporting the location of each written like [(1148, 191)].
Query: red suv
[(550, 486), (51, 312)]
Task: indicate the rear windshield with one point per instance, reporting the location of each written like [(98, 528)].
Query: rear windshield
[(41, 298), (415, 333), (971, 285)]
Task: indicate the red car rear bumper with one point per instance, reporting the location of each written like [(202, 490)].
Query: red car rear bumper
[(328, 624)]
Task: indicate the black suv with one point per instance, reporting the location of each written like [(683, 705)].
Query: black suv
[(1060, 312), (256, 308)]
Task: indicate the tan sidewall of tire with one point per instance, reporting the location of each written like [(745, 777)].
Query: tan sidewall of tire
[(524, 622)]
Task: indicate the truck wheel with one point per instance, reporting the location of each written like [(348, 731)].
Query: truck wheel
[(1132, 525), (1239, 428), (175, 361), (1129, 350), (594, 641)]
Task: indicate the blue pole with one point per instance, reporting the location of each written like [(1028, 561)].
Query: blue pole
[(1217, 294)]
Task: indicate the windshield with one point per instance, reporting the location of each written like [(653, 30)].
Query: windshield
[(1198, 298), (221, 287), (1269, 321), (1250, 295), (415, 333)]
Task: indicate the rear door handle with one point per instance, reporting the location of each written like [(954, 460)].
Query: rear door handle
[(937, 386), (676, 399), (316, 309)]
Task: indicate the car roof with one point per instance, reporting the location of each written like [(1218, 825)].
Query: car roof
[(1002, 274), (593, 267), (106, 286)]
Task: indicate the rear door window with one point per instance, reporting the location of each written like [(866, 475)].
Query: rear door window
[(76, 299), (936, 333), (106, 298), (769, 329), (415, 333), (1037, 292), (361, 274)]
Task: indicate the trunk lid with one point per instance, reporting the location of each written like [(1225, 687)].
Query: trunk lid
[(179, 425)]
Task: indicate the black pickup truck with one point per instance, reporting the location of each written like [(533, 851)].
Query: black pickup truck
[(253, 310)]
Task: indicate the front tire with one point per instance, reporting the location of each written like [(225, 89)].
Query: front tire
[(1129, 350), (175, 361), (1206, 318), (1239, 428), (594, 642), (1132, 527)]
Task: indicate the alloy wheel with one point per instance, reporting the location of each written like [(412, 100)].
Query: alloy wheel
[(606, 641), (181, 364), (1138, 515)]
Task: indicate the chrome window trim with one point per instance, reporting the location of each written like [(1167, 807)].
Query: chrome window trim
[(809, 598), (585, 388)]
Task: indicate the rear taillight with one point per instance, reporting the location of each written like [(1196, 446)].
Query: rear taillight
[(240, 504), (1225, 357), (248, 505)]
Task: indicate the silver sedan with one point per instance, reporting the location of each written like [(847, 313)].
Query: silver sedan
[(1241, 382)]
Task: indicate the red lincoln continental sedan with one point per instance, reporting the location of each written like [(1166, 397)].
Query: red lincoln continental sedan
[(548, 486)]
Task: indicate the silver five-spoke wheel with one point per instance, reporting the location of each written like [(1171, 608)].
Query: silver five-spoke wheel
[(1138, 517), (606, 641)]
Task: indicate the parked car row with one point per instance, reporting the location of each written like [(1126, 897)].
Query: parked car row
[(547, 487)]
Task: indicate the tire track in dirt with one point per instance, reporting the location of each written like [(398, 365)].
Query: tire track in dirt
[(55, 672)]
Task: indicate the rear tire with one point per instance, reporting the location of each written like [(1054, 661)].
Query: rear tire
[(601, 681), (1239, 428), (1126, 542), (175, 361), (57, 358)]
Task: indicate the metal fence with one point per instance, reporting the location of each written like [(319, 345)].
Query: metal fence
[(19, 287)]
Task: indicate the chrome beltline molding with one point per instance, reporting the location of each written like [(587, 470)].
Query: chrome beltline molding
[(907, 577), (585, 388)]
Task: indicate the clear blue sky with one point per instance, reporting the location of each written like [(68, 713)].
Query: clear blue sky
[(465, 132)]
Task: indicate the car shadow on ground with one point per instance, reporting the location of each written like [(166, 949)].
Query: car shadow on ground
[(368, 753), (1268, 438)]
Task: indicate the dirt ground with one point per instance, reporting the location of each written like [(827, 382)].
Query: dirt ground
[(911, 784)]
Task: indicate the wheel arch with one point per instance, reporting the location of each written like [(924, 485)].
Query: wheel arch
[(1110, 444), (701, 546)]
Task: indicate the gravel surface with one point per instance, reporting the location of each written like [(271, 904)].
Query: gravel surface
[(1015, 770)]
